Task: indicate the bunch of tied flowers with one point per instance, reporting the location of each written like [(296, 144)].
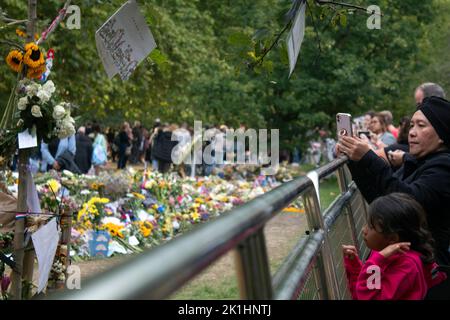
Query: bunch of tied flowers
[(30, 56), (40, 113)]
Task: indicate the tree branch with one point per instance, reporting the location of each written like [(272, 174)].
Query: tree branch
[(13, 44), (260, 59), (316, 32), (342, 4)]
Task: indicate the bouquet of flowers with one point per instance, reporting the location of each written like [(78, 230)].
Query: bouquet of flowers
[(30, 56), (38, 113)]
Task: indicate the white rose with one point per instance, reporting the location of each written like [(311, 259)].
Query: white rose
[(70, 120), (22, 104), (44, 96), (32, 89), (36, 111), (66, 128), (49, 86), (59, 112)]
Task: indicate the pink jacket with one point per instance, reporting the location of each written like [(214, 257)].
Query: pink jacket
[(402, 277)]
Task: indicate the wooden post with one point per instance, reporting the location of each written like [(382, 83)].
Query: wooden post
[(16, 279), (24, 155), (66, 228)]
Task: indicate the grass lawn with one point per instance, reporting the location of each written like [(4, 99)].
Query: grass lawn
[(225, 284)]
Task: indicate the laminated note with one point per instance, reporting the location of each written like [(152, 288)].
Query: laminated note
[(124, 41)]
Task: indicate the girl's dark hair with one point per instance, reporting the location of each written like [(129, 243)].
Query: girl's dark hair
[(399, 213)]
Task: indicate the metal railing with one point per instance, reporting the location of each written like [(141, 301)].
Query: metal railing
[(313, 269)]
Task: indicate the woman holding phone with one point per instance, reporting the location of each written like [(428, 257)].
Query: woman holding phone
[(425, 176)]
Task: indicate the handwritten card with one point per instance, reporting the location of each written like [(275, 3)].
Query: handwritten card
[(26, 140), (124, 41)]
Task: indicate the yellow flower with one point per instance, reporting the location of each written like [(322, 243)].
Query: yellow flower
[(14, 60), (36, 73), (53, 185), (94, 186), (82, 211), (199, 200), (33, 57), (150, 184), (138, 195), (168, 227), (21, 33), (295, 210), (195, 216)]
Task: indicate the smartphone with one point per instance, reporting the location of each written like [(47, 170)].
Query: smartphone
[(344, 124)]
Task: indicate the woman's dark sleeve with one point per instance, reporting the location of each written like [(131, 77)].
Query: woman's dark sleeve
[(380, 180)]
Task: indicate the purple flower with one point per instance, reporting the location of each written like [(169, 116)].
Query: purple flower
[(204, 216), (5, 281)]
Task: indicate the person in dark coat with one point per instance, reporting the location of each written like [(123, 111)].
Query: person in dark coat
[(425, 174), (125, 137), (163, 146), (83, 155), (136, 143)]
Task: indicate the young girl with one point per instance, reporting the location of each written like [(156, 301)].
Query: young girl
[(401, 265)]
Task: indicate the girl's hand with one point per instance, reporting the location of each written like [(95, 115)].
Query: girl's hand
[(355, 148), (349, 252), (400, 247)]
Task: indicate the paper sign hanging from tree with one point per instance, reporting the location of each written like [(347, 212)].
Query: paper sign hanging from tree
[(124, 41), (295, 38)]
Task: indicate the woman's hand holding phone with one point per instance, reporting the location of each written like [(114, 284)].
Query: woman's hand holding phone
[(354, 147)]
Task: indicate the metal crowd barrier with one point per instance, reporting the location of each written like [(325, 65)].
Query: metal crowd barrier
[(312, 270)]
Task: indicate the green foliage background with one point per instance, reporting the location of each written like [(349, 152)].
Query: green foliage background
[(200, 70)]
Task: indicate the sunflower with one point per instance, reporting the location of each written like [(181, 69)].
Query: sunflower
[(36, 73), (34, 57), (14, 60)]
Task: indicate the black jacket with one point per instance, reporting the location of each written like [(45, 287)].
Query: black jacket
[(83, 156), (163, 146), (426, 179), (66, 161)]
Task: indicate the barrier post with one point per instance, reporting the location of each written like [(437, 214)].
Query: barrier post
[(325, 265), (252, 266)]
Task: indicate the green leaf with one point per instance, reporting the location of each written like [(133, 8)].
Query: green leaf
[(239, 39), (158, 57), (343, 19), (261, 34)]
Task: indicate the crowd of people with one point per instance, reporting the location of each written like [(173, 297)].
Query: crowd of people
[(404, 174), (92, 147)]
